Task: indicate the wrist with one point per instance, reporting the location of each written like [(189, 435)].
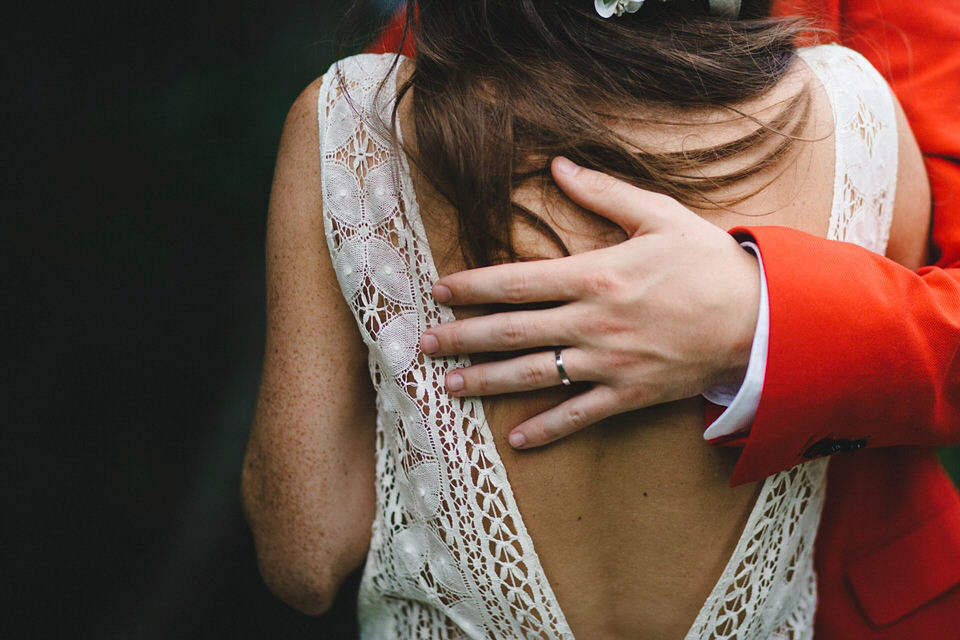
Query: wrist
[(745, 292), (743, 397)]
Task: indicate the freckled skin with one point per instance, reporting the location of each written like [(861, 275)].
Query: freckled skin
[(308, 474)]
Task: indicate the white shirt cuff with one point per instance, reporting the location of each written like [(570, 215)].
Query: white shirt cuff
[(742, 401)]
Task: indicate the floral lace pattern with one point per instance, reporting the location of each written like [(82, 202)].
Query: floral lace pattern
[(865, 127), (449, 554)]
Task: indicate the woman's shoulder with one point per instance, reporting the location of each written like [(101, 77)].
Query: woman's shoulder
[(871, 117), (375, 65), (835, 63), (350, 87), (352, 73), (359, 88), (363, 69), (828, 51)]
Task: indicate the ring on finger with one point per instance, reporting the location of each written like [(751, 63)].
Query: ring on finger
[(564, 378)]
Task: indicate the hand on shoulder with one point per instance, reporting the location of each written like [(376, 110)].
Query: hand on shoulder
[(667, 314)]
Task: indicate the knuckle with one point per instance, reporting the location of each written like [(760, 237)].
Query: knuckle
[(534, 373), (619, 360), (600, 284), (540, 434), (622, 395), (599, 325), (662, 204), (515, 289), (451, 340), (601, 184), (636, 396), (576, 418), (661, 199), (513, 333), (531, 375)]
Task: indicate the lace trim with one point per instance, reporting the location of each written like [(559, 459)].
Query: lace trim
[(865, 128), (449, 554), (768, 588)]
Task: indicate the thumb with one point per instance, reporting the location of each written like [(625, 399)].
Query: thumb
[(634, 210)]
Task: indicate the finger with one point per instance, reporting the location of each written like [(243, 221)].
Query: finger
[(635, 210), (499, 332), (516, 283), (566, 418), (523, 373)]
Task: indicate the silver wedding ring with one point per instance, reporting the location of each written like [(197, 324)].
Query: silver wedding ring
[(564, 378)]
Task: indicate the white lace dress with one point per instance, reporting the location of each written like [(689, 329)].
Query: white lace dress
[(449, 554)]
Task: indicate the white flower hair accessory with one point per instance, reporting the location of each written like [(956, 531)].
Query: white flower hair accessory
[(607, 8)]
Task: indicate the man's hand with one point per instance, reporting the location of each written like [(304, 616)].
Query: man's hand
[(667, 314)]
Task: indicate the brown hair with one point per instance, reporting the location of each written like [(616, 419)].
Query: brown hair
[(502, 86)]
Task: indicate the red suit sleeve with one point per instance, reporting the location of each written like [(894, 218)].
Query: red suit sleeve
[(864, 352)]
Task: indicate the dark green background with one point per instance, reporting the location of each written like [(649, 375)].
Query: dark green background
[(141, 140), (140, 145)]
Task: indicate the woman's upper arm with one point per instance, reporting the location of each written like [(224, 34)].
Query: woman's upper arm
[(910, 231), (308, 479)]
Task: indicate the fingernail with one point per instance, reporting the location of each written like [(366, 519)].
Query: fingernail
[(517, 440), (441, 293), (454, 382), (429, 344), (565, 166)]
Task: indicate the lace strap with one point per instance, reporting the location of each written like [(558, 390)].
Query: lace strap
[(449, 554), (865, 129)]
